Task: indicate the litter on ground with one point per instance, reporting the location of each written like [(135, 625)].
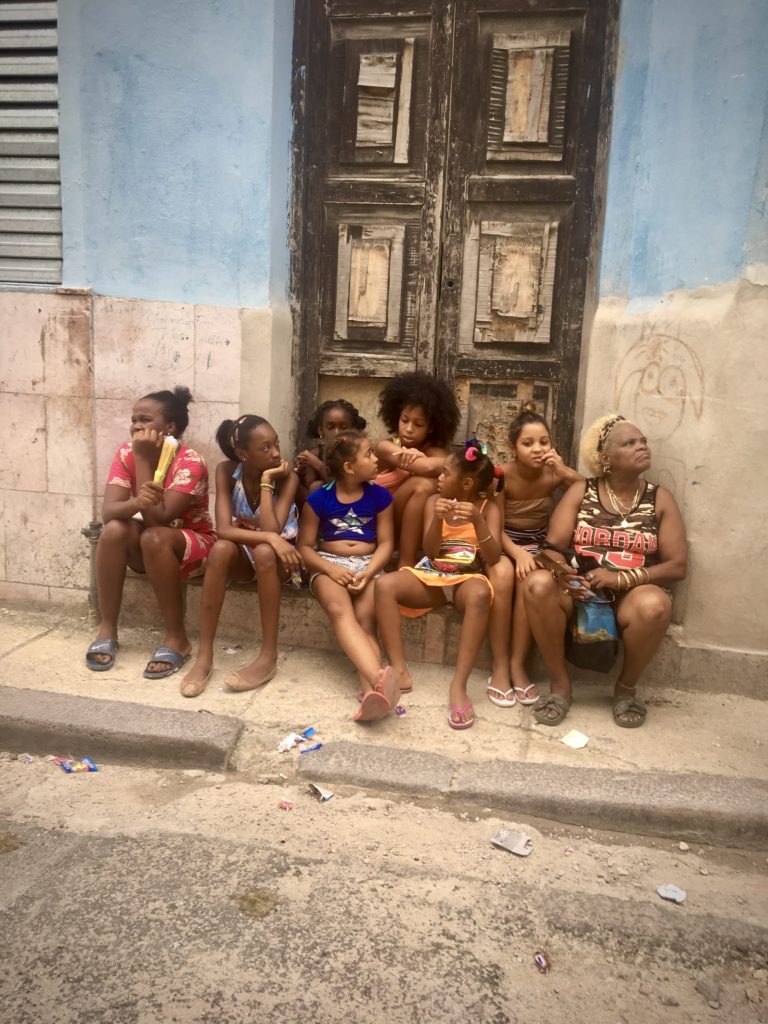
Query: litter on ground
[(672, 893), (516, 842), (575, 739)]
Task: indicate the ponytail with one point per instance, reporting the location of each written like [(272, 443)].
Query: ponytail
[(233, 434)]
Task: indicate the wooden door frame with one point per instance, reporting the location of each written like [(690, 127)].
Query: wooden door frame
[(310, 39)]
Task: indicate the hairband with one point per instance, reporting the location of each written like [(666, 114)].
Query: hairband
[(473, 449), (607, 429)]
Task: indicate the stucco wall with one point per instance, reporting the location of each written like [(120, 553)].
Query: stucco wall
[(174, 148), (688, 146), (678, 340)]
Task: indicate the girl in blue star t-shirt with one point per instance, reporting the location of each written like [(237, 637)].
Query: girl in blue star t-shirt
[(345, 540)]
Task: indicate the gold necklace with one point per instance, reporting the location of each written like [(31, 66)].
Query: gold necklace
[(618, 505)]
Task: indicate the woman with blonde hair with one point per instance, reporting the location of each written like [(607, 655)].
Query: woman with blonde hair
[(634, 534)]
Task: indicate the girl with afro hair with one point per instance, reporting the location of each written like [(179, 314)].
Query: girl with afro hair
[(422, 415)]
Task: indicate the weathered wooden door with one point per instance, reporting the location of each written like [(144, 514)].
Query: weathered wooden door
[(444, 197)]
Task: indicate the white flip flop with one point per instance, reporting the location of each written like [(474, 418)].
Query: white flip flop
[(524, 689), (499, 697)]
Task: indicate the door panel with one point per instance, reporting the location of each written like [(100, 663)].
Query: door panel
[(449, 200), (518, 213), (377, 113)]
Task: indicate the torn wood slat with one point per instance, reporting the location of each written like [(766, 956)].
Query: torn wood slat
[(343, 261), (498, 98), (403, 132), (395, 287), (376, 82), (369, 281)]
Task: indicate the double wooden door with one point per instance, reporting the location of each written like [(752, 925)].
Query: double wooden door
[(444, 197)]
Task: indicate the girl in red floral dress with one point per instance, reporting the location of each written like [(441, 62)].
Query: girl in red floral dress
[(163, 530)]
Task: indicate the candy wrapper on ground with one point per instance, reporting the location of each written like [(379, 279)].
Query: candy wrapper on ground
[(71, 765), (167, 455)]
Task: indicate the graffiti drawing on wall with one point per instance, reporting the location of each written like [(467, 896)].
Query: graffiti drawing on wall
[(660, 386)]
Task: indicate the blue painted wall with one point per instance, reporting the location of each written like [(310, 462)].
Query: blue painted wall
[(687, 163), (175, 148)]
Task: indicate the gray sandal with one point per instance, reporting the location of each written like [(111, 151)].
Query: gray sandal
[(167, 656), (621, 705), (553, 701), (102, 645)]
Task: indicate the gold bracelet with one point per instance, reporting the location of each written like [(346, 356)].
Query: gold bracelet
[(267, 487), (483, 541)]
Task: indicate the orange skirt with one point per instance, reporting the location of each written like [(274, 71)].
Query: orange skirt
[(430, 578)]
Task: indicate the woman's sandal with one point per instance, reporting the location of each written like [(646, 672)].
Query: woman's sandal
[(524, 689), (553, 701), (456, 710), (194, 687), (501, 698), (625, 705), (102, 645)]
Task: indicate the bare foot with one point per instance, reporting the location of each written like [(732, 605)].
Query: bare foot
[(196, 680), (250, 677), (404, 680), (462, 712), (500, 677)]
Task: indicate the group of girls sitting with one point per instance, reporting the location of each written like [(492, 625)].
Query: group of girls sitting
[(462, 531)]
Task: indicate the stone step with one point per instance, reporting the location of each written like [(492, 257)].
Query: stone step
[(434, 638)]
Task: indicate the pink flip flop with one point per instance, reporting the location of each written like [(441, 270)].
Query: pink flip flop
[(373, 706), (456, 710)]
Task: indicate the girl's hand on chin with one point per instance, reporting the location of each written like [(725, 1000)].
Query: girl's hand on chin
[(146, 444), (277, 472)]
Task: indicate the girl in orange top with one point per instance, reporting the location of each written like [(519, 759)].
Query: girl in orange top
[(462, 538)]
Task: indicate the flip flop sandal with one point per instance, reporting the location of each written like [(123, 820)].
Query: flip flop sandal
[(501, 698), (456, 710), (554, 701), (168, 656), (240, 684), (373, 707), (104, 645), (524, 689), (194, 689), (622, 705)]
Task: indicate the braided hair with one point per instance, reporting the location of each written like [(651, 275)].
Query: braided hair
[(342, 449), (315, 424)]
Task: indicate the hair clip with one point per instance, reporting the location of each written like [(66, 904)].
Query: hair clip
[(498, 472), (471, 453)]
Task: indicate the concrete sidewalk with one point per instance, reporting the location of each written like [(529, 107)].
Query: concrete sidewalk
[(718, 739)]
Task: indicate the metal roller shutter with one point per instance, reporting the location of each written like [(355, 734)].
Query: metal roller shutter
[(30, 188)]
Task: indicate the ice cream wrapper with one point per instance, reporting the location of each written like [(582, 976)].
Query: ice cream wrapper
[(167, 455)]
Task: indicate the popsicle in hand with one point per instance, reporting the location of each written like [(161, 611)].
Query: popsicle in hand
[(167, 454)]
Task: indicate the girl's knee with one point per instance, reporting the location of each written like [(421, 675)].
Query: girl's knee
[(385, 587), (116, 531), (222, 553), (264, 558), (477, 597), (153, 538), (502, 574)]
